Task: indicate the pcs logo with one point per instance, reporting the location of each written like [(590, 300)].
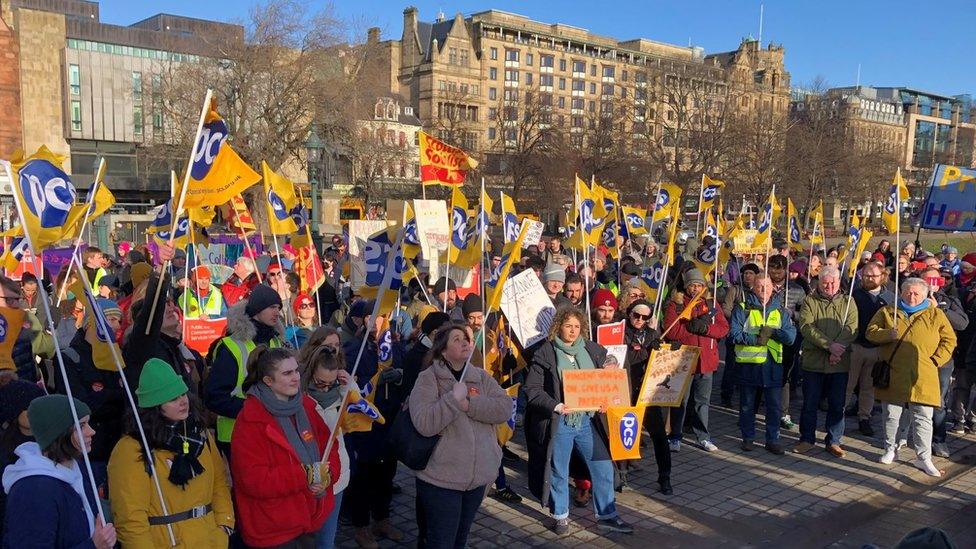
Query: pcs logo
[(47, 191), (386, 346), (212, 137), (628, 430), (277, 206), (3, 329)]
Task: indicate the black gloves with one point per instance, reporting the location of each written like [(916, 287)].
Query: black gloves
[(654, 339), (675, 345), (697, 326), (391, 375)]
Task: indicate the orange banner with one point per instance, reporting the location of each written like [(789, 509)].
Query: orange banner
[(442, 164), (625, 430), (589, 390)]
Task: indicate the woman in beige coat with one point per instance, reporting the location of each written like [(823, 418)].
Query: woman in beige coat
[(464, 413), (926, 344)]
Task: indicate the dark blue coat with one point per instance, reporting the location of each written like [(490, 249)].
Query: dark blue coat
[(45, 512), (372, 446), (769, 373)]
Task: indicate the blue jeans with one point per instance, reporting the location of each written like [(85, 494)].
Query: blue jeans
[(939, 415), (815, 386), (700, 393), (448, 515), (601, 472), (747, 411), (325, 537)]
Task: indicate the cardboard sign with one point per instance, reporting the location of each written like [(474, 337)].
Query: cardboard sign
[(527, 307), (668, 376), (533, 232), (589, 390), (359, 231), (330, 219), (200, 333), (611, 334), (625, 430), (433, 229), (742, 242), (11, 323)]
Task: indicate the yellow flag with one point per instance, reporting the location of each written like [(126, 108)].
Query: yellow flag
[(104, 341), (359, 414), (770, 212), (462, 229), (670, 194), (504, 431), (411, 238), (103, 200), (897, 195), (710, 189), (853, 239), (442, 164), (862, 243), (625, 431), (673, 233), (817, 229), (510, 220), (281, 200), (13, 323), (793, 227), (217, 173), (588, 211), (46, 196), (634, 220)]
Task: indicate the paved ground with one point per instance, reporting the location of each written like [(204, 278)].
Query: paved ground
[(737, 499)]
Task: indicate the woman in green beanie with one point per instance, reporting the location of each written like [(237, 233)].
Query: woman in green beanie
[(49, 501), (191, 471)]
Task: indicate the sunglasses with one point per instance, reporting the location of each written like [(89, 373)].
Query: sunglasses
[(306, 306), (274, 273), (639, 316)]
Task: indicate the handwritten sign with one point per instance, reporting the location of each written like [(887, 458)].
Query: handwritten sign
[(742, 242), (589, 390), (433, 230), (668, 376), (533, 232), (200, 333), (527, 307)]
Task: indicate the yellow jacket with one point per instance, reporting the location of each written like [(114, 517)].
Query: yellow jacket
[(926, 347), (134, 499)]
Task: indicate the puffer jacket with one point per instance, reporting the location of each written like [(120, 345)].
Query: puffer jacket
[(822, 323), (927, 344), (718, 327), (467, 455)]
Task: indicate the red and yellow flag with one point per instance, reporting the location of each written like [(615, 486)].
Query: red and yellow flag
[(442, 164)]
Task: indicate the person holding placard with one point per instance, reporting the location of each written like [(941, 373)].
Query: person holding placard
[(553, 431)]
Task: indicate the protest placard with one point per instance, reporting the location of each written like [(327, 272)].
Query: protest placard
[(950, 204), (610, 334), (589, 390), (527, 307), (200, 333), (742, 242), (359, 231), (55, 259), (668, 376), (433, 230), (533, 232), (331, 220)]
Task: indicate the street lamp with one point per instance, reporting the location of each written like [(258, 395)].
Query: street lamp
[(315, 150)]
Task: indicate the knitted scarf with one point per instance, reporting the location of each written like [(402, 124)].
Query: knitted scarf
[(293, 420), (910, 310), (185, 439), (573, 357)]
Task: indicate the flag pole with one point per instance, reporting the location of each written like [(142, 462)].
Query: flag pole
[(711, 342), (701, 198), (897, 241), (288, 314), (813, 235), (135, 413), (179, 207), (482, 229), (447, 272), (81, 230), (45, 301), (769, 243), (586, 254), (312, 258)]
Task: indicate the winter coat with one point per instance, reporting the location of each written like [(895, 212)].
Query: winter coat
[(543, 392), (638, 353), (927, 345), (868, 304), (45, 505), (958, 319), (139, 347), (770, 372), (236, 290), (467, 455), (274, 504), (134, 499), (708, 343), (822, 323), (222, 377), (330, 416), (100, 389), (373, 446)]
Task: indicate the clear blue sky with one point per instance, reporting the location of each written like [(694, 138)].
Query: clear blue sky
[(898, 43)]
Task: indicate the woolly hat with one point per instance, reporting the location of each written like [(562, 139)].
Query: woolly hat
[(693, 276), (301, 299), (600, 255), (111, 281), (158, 384), (434, 321), (799, 267), (603, 298), (439, 285), (15, 397), (554, 272), (926, 538), (472, 304), (50, 417), (262, 297), (361, 308), (139, 272), (201, 271), (109, 307)]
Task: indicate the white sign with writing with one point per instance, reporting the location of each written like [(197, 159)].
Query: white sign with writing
[(433, 230), (533, 232), (527, 307)]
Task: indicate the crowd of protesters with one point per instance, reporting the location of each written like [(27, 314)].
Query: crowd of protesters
[(236, 438)]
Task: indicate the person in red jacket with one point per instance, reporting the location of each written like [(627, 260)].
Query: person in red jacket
[(239, 285), (281, 485), (704, 330)]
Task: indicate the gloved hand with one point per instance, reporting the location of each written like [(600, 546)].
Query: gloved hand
[(391, 375), (675, 345), (654, 340), (764, 334), (697, 326)]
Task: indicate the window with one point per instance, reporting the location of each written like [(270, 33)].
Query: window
[(74, 79), (592, 106), (562, 83), (562, 65), (546, 61), (442, 85), (562, 102), (491, 134), (528, 59), (640, 77), (579, 66), (511, 95), (577, 121), (137, 119), (578, 103), (592, 87), (623, 91), (475, 89), (137, 85), (493, 53), (75, 115), (157, 121), (545, 80), (624, 76), (512, 55), (528, 79), (464, 58), (492, 93), (452, 56), (492, 113), (592, 70), (607, 89), (511, 75), (492, 73), (579, 85), (608, 72)]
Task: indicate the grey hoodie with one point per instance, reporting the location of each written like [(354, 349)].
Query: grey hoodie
[(31, 462)]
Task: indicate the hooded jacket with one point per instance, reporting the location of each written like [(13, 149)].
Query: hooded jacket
[(822, 323), (718, 327), (48, 504)]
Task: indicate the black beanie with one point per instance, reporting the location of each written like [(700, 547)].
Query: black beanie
[(434, 321), (15, 397), (262, 297), (472, 304), (439, 285)]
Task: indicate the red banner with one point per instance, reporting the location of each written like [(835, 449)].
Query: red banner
[(442, 164), (199, 333)]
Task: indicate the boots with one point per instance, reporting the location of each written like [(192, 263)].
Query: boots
[(384, 529), (365, 539)]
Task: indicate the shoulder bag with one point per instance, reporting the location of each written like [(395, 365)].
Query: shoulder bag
[(881, 371), (412, 448)]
